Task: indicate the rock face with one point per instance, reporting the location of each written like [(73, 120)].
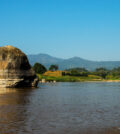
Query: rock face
[(15, 70)]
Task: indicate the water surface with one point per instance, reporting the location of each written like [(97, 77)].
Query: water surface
[(61, 108)]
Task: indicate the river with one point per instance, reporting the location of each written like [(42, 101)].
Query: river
[(61, 108)]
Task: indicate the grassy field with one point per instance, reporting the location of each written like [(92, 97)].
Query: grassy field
[(57, 76), (69, 78)]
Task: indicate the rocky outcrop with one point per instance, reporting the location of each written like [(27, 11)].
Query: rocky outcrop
[(15, 70)]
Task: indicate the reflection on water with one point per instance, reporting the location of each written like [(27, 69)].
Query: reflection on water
[(7, 90), (13, 109), (61, 108)]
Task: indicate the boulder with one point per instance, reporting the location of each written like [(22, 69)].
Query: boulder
[(15, 70)]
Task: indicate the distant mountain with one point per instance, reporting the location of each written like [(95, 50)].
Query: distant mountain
[(47, 60), (44, 59)]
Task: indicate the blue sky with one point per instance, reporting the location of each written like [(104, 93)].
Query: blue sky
[(63, 28)]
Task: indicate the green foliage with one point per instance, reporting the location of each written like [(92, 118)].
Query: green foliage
[(76, 72), (68, 78), (101, 72), (77, 69), (63, 73), (78, 75), (53, 68), (115, 72), (39, 68)]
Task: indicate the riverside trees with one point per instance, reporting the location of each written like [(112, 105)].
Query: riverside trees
[(101, 72)]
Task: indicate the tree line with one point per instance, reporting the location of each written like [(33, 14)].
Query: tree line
[(102, 72), (40, 69)]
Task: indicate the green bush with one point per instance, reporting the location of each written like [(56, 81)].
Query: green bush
[(39, 68)]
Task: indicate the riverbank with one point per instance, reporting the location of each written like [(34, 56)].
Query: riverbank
[(90, 78)]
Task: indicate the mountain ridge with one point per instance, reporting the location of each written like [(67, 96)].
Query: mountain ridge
[(72, 62)]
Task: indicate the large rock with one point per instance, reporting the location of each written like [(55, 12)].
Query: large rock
[(15, 70)]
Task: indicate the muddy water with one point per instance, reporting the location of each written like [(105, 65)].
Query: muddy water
[(61, 108)]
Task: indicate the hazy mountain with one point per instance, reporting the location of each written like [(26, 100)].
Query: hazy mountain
[(44, 59), (47, 60)]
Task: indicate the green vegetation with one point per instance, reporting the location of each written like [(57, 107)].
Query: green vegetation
[(69, 78), (53, 68), (76, 74), (39, 68), (102, 72)]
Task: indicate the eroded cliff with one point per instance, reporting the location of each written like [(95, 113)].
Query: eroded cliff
[(15, 70)]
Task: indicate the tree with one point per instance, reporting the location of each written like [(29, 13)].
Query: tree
[(53, 67), (101, 72), (115, 72), (77, 72), (78, 69), (39, 68)]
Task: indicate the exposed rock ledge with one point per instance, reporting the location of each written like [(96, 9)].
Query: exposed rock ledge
[(15, 70)]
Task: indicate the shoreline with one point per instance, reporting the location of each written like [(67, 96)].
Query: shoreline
[(110, 81), (92, 78)]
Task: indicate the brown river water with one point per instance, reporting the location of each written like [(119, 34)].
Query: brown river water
[(61, 108)]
